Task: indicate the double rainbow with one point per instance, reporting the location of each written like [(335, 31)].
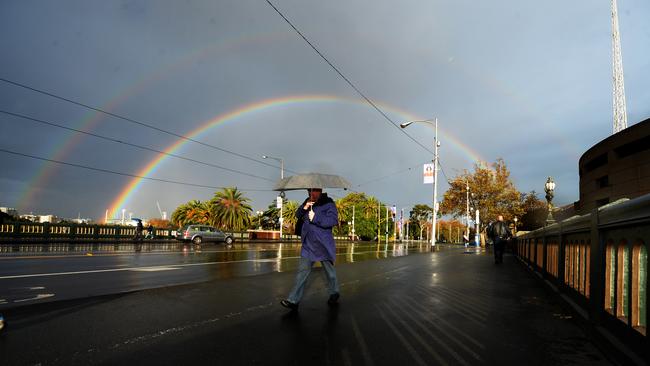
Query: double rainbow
[(264, 105)]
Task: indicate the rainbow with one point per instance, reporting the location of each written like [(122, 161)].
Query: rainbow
[(92, 119), (123, 197)]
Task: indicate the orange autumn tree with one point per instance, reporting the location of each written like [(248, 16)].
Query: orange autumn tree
[(492, 192)]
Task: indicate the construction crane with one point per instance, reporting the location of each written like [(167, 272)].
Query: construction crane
[(163, 214)]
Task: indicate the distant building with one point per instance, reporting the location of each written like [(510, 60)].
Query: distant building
[(41, 218), (616, 167), (48, 218), (81, 221), (119, 222), (31, 217), (9, 211)]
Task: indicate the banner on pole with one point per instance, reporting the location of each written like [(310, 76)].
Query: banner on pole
[(428, 173), (278, 202)]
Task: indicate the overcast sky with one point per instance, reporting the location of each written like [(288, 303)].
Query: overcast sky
[(527, 81)]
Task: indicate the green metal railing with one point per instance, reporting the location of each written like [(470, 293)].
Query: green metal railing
[(600, 260)]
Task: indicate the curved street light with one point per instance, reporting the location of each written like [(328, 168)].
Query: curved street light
[(436, 145)]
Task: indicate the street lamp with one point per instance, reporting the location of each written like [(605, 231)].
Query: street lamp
[(467, 207), (549, 188), (515, 226), (281, 193), (436, 145)]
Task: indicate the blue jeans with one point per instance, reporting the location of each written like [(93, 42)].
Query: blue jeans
[(304, 269)]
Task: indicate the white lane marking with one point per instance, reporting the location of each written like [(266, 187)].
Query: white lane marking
[(3, 301), (127, 269), (135, 268), (37, 297), (37, 288), (154, 269), (186, 327)]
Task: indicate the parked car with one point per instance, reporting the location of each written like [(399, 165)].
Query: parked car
[(198, 234)]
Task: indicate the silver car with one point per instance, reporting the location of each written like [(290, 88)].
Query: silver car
[(198, 234)]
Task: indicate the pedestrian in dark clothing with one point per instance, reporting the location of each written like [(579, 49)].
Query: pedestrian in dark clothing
[(150, 231), (139, 228), (499, 233), (318, 215)]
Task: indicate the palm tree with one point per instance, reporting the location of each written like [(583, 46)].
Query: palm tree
[(230, 209), (199, 212), (179, 216), (344, 208), (193, 212), (289, 215), (370, 207)]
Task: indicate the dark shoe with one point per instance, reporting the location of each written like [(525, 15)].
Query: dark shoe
[(289, 305), (334, 299)]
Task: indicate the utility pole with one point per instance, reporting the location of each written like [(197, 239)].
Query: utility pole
[(436, 145), (478, 234), (467, 208), (281, 198), (407, 230), (379, 223), (401, 225), (386, 224), (353, 235)]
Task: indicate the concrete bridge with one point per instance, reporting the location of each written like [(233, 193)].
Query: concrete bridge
[(571, 293)]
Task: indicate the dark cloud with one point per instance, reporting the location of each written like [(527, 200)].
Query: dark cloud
[(531, 84)]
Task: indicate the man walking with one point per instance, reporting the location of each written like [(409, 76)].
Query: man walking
[(499, 233), (318, 215)]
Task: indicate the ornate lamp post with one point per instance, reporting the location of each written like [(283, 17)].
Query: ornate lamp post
[(549, 188), (515, 226)]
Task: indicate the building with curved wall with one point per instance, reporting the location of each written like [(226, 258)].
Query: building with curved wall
[(616, 167)]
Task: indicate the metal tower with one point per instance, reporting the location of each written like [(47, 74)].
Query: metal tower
[(620, 111)]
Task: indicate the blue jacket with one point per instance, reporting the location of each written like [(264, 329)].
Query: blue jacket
[(317, 239)]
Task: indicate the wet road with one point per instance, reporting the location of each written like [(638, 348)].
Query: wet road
[(40, 273), (431, 308)]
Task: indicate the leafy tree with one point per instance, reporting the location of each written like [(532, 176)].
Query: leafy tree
[(289, 215), (535, 211), (193, 212), (450, 230), (230, 210), (271, 217), (160, 223), (369, 216), (492, 192), (420, 220)]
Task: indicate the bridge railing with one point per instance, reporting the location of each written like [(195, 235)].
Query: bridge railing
[(24, 231), (48, 232), (600, 260)]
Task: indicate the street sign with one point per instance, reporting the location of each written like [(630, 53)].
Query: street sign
[(279, 202), (428, 173)]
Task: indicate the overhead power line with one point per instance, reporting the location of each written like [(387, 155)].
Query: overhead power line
[(443, 172), (388, 175), (131, 120), (345, 78), (52, 124), (108, 171)]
